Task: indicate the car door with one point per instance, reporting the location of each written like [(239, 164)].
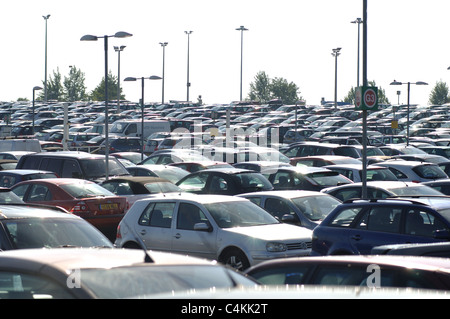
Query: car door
[(188, 238), (154, 226)]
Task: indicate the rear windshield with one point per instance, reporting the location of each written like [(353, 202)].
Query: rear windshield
[(430, 172), (83, 190)]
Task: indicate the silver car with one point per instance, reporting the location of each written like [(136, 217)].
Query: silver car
[(229, 229)]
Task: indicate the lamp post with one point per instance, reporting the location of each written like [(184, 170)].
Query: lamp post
[(89, 37), (407, 115), (36, 88), (163, 44), (358, 21), (188, 84), (129, 79), (242, 29), (118, 50), (45, 76), (335, 53)]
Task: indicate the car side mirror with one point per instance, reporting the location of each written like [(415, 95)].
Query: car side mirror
[(203, 227)]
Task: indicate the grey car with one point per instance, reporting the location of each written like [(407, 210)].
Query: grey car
[(229, 229)]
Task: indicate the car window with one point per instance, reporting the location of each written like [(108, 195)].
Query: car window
[(157, 215), (398, 173), (422, 223), (283, 275), (278, 208), (383, 219), (189, 215), (194, 183), (255, 200), (39, 193), (8, 181), (347, 193), (71, 169), (429, 171), (345, 217), (281, 180)]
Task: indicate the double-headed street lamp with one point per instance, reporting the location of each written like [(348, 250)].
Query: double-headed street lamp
[(36, 88), (242, 29), (335, 53), (89, 37), (118, 50), (407, 115), (163, 44), (128, 79)]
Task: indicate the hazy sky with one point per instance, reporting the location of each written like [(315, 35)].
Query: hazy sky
[(408, 40)]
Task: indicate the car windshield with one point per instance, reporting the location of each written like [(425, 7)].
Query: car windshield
[(83, 190), (118, 127), (95, 168), (253, 181), (415, 190), (316, 208), (328, 178), (141, 281), (430, 172), (53, 232), (162, 187), (239, 214)]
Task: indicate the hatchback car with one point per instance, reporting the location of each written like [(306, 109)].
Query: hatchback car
[(229, 229), (360, 271), (380, 190), (354, 172), (301, 208), (96, 273), (413, 171), (171, 173), (356, 226), (305, 178), (24, 226), (86, 199), (224, 181)]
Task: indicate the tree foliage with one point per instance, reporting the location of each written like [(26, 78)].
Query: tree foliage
[(55, 90), (264, 89), (98, 94), (439, 95), (74, 88)]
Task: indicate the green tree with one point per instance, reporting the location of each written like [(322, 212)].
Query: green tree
[(439, 94), (74, 88), (382, 98), (98, 94), (260, 88), (55, 90)]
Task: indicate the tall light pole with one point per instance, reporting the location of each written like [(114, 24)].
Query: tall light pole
[(335, 53), (89, 37), (164, 44), (36, 88), (407, 110), (129, 79), (118, 50), (358, 21), (188, 84), (242, 29), (45, 76)]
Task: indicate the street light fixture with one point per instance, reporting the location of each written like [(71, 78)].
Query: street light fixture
[(163, 44), (45, 77), (335, 53), (188, 84), (89, 37), (407, 115), (36, 88), (118, 50), (358, 21), (242, 29), (130, 79)]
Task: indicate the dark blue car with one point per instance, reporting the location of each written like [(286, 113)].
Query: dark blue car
[(356, 226)]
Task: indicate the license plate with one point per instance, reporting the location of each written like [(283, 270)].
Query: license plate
[(109, 206)]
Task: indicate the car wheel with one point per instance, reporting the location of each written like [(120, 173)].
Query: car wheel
[(235, 258)]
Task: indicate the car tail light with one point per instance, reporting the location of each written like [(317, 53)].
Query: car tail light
[(118, 234), (79, 207)]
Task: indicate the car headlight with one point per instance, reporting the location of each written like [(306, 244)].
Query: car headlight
[(275, 247)]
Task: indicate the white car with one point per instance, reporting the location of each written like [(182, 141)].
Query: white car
[(413, 171), (229, 229)]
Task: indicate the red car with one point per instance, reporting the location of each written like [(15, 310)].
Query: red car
[(86, 199)]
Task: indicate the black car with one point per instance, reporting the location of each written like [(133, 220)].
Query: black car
[(304, 178), (224, 181)]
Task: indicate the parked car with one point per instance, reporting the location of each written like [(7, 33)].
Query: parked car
[(122, 144), (380, 190), (305, 178), (78, 139), (356, 226), (7, 164), (73, 164), (259, 166), (301, 208), (412, 171), (442, 185), (13, 155), (229, 229), (171, 173), (174, 156), (440, 249), (224, 181), (354, 172), (196, 166), (86, 199), (392, 271), (323, 160), (315, 148), (134, 157), (436, 159), (8, 178), (134, 188), (8, 197), (99, 273)]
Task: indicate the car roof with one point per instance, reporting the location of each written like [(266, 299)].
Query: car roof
[(25, 171), (32, 211), (68, 154), (396, 162), (354, 166), (137, 179), (300, 169), (198, 198), (57, 181), (284, 193)]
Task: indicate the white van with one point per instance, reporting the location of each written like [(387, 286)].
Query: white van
[(133, 128)]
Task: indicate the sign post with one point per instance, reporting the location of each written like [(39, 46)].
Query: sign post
[(366, 98)]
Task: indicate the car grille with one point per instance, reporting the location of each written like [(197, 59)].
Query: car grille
[(299, 245)]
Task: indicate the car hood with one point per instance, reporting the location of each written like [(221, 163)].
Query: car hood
[(273, 232)]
